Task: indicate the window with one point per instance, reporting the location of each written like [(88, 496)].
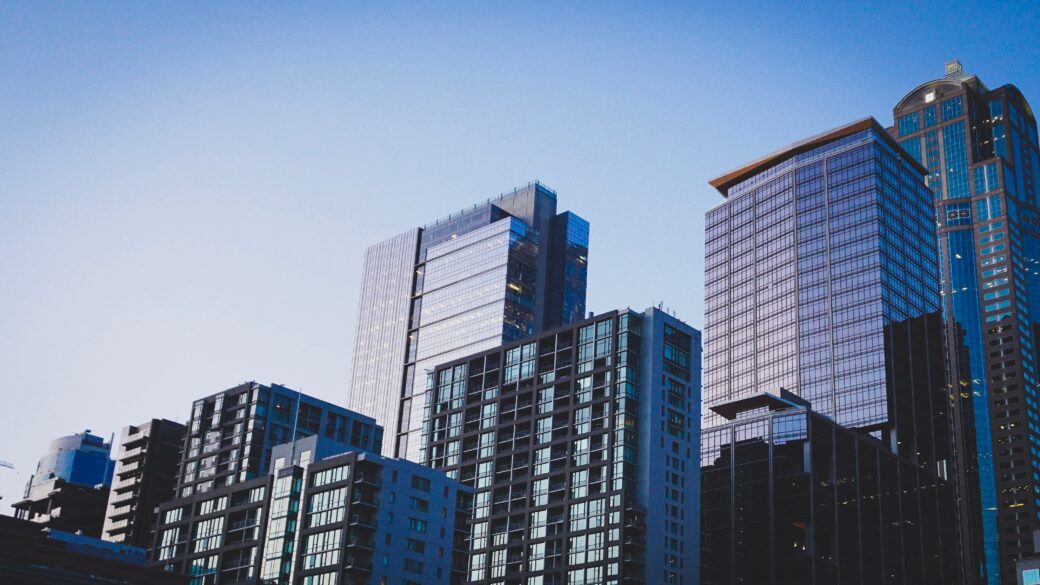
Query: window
[(214, 505), (909, 123), (952, 108), (413, 566), (330, 475), (987, 179), (320, 579), (203, 566), (322, 549), (416, 525), (327, 507), (929, 115), (415, 545), (208, 534), (419, 504), (173, 515), (421, 483), (1030, 576)]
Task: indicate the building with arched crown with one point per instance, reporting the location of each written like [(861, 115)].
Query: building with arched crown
[(980, 148)]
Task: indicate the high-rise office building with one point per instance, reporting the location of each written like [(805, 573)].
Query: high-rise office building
[(822, 285), (145, 476), (231, 433), (980, 149), (328, 513), (81, 458), (495, 273), (581, 446), (70, 488)]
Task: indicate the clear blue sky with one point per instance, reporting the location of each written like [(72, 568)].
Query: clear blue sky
[(186, 190)]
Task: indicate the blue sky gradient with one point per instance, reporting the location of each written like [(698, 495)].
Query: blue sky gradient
[(186, 189)]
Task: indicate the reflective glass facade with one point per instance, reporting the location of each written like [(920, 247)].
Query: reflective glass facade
[(808, 262), (822, 286), (82, 458), (982, 156), (580, 445), (469, 282)]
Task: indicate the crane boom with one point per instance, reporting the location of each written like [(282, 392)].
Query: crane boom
[(6, 464)]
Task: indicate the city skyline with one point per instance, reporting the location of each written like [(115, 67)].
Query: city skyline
[(125, 304)]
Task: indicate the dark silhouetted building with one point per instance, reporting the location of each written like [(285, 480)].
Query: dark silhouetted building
[(31, 555), (581, 446), (466, 283), (791, 497), (979, 146), (145, 476)]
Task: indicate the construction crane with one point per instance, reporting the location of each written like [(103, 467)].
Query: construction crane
[(6, 464)]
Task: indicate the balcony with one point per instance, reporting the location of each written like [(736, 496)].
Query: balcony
[(120, 513), (124, 496), (357, 564), (362, 521), (363, 501), (361, 543), (128, 467), (368, 478)]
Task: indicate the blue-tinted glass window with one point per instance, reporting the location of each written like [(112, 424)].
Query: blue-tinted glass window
[(913, 146), (958, 214), (931, 162), (929, 116), (952, 108), (956, 155), (1031, 577), (909, 123), (1000, 140), (986, 179), (988, 208), (996, 110)]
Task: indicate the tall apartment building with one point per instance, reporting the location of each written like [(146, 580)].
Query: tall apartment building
[(145, 476), (70, 488), (231, 434), (469, 282), (328, 513), (581, 446), (822, 303), (980, 149)]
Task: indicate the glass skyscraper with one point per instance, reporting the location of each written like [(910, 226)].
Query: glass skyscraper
[(980, 150), (822, 286), (466, 283), (81, 458)]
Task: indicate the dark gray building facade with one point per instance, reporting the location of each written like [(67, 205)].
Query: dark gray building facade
[(231, 434), (581, 447), (326, 514), (145, 476)]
